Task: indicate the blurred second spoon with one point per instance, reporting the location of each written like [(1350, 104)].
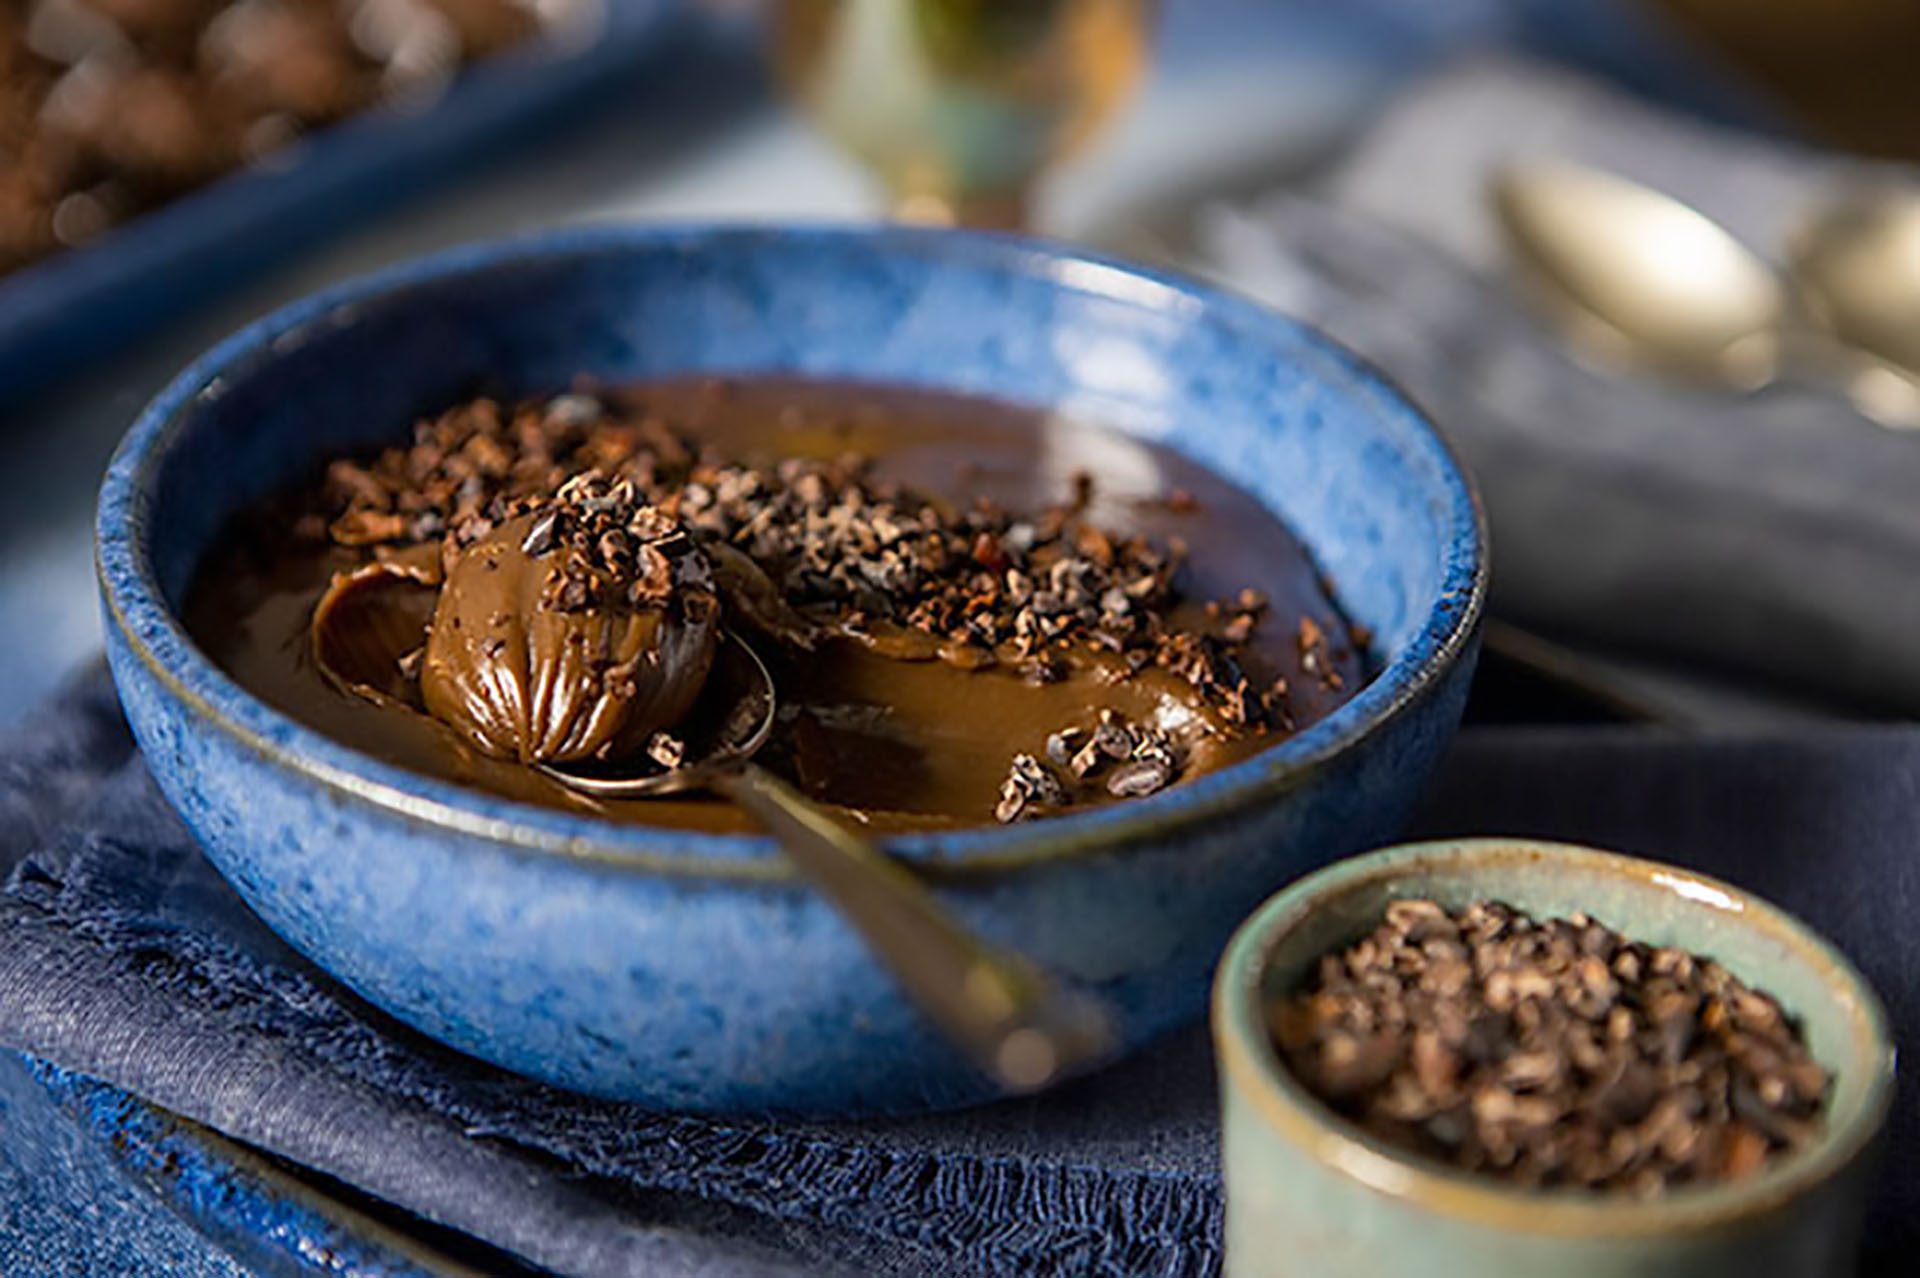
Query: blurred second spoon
[(1634, 276)]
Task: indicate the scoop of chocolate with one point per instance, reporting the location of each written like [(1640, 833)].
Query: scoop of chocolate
[(571, 631)]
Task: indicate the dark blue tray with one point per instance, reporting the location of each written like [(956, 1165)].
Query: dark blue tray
[(79, 305), (95, 1181)]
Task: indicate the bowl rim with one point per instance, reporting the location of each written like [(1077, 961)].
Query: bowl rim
[(1250, 1064), (139, 616)]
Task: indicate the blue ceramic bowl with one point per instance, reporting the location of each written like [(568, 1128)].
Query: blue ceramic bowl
[(694, 971)]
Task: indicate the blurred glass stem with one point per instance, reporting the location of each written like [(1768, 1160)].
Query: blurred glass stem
[(959, 106)]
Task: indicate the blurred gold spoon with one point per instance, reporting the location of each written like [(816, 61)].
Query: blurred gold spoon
[(1857, 265), (1635, 277)]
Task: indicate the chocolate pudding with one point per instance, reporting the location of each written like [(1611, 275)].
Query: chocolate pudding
[(972, 612)]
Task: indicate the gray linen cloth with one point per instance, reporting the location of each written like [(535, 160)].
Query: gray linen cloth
[(1777, 533)]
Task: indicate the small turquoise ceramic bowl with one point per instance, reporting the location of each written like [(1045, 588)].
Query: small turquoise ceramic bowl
[(1309, 1193), (694, 971)]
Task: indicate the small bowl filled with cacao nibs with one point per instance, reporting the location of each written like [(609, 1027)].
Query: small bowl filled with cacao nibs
[(1501, 1056)]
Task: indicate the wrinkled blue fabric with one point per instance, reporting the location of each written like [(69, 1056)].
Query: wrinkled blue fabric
[(129, 959)]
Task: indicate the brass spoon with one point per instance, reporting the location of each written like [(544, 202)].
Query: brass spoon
[(1019, 1026), (1023, 1029), (1857, 264), (1636, 277)]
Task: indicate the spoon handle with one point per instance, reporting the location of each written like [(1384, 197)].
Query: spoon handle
[(1019, 1026)]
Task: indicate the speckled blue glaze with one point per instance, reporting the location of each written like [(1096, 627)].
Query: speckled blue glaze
[(692, 971)]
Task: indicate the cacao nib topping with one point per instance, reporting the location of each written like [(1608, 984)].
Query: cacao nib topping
[(1128, 760), (838, 544), (613, 551)]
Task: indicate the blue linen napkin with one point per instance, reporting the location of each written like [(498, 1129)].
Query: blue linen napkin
[(129, 959)]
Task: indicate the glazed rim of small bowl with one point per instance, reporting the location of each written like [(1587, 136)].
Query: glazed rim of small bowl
[(1247, 1055), (139, 611)]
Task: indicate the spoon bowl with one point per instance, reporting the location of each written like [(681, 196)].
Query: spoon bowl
[(733, 719), (1638, 277), (1856, 266), (1019, 1026)]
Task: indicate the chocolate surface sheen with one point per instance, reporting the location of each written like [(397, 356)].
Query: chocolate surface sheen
[(544, 650), (970, 611)]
